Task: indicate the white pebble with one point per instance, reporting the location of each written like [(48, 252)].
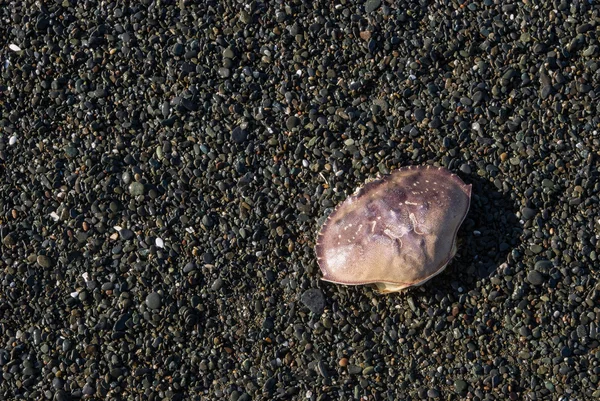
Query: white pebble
[(12, 140), (54, 216), (14, 47), (74, 294), (159, 243)]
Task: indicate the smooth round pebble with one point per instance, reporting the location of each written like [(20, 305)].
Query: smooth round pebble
[(154, 300)]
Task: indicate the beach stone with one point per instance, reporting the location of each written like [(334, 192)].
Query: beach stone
[(239, 135), (460, 386), (543, 265), (153, 300), (136, 188), (372, 5), (44, 261), (126, 234), (528, 213), (535, 278), (314, 300)]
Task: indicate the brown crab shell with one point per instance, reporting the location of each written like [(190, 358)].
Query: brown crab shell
[(394, 232)]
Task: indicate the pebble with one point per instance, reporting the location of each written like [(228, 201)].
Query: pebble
[(136, 188), (292, 122), (239, 135), (536, 248), (10, 240), (217, 284), (314, 300), (528, 213), (126, 234), (44, 261), (372, 5), (154, 300), (543, 265), (460, 386), (535, 278)]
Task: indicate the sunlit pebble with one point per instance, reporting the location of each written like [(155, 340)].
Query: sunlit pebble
[(74, 294), (86, 276), (54, 216), (190, 230), (12, 140), (14, 47), (159, 243)]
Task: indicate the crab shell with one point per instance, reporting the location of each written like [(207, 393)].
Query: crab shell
[(395, 232)]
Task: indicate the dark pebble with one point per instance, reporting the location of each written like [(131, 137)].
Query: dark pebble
[(217, 284), (239, 135), (292, 122), (153, 300), (460, 386), (126, 234), (314, 300), (535, 278), (372, 5), (543, 265), (527, 213)]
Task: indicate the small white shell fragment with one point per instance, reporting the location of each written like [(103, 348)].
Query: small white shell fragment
[(14, 47), (86, 276), (159, 242)]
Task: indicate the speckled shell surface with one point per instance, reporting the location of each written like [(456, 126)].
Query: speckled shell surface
[(394, 232)]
